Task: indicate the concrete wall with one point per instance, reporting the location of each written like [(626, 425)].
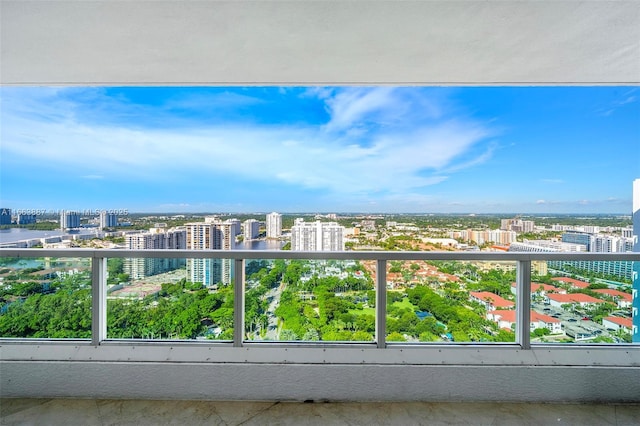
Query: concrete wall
[(338, 372), (320, 42), (300, 382)]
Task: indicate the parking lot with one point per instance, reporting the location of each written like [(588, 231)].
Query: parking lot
[(574, 325)]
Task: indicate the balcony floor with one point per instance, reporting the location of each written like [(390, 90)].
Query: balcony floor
[(145, 412)]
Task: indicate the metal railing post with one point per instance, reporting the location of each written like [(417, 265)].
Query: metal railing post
[(381, 303), (238, 303), (523, 304), (98, 299)]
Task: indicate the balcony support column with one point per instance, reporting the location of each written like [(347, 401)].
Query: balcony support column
[(523, 304), (98, 299), (381, 303), (238, 302)]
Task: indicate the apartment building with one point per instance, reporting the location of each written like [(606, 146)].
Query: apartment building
[(317, 236), (108, 220), (69, 220), (250, 229), (274, 225), (156, 238), (210, 235)]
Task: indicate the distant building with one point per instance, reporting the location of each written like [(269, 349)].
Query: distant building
[(617, 323), (539, 289), (620, 268), (574, 283), (541, 246), (623, 299), (210, 235), (251, 229), (69, 220), (481, 237), (5, 217), (317, 236), (506, 319), (517, 225), (236, 226), (583, 300), (274, 225), (25, 219), (491, 301), (369, 225), (108, 220), (157, 238), (575, 237)]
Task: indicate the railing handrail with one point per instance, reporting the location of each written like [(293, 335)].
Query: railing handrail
[(321, 255), (523, 261)]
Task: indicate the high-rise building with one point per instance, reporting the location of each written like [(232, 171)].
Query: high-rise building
[(578, 238), (497, 236), (274, 225), (157, 238), (108, 220), (210, 235), (317, 236), (25, 219), (517, 225), (69, 220), (635, 310), (5, 216), (605, 244), (251, 229), (236, 226), (619, 268)]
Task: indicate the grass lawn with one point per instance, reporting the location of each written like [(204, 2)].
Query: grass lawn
[(404, 303), (364, 311)]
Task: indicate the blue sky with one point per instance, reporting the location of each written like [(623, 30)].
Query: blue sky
[(320, 149)]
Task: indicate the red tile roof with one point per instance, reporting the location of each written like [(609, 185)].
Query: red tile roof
[(540, 286), (625, 322), (617, 294), (510, 316), (573, 298), (493, 298), (572, 281)]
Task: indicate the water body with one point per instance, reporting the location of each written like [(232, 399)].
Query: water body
[(12, 235), (260, 245)]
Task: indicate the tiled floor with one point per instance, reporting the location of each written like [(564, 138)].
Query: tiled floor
[(69, 412)]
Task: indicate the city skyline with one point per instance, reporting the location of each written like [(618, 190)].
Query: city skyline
[(344, 149)]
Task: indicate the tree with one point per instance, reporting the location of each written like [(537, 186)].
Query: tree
[(396, 337)]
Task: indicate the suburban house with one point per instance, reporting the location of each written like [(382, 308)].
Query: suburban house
[(491, 301), (540, 288), (620, 297), (583, 300), (618, 323), (507, 319), (571, 281)]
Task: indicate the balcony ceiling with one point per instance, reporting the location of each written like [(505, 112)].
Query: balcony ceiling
[(319, 42)]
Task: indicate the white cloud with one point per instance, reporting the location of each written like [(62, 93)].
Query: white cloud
[(350, 106), (401, 158)]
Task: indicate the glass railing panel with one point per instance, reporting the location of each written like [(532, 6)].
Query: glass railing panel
[(450, 301), (593, 301), (309, 300), (170, 299), (45, 297)]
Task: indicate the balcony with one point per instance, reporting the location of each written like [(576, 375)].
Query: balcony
[(241, 368)]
